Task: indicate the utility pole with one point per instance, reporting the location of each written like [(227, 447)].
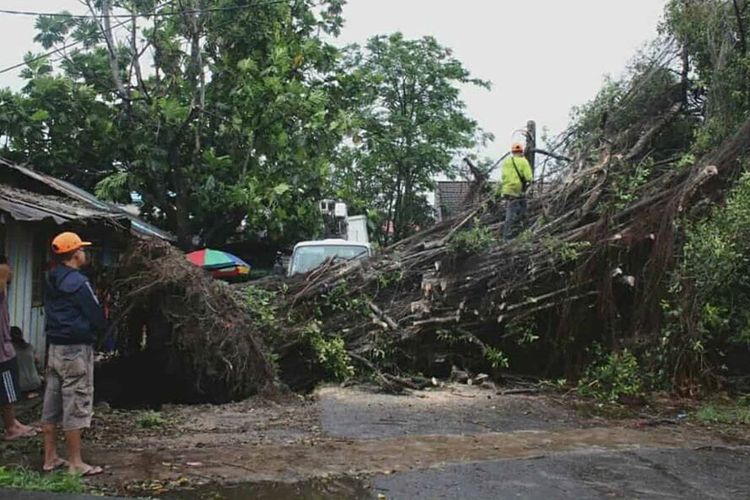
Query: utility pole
[(531, 144)]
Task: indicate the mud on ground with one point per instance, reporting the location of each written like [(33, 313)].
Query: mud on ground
[(357, 433)]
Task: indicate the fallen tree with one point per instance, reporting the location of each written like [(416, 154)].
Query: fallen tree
[(592, 268), (590, 273), (182, 336)]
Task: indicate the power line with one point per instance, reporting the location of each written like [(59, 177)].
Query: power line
[(51, 52), (122, 23), (67, 15)]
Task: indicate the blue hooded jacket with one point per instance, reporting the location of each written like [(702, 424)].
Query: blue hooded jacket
[(73, 313)]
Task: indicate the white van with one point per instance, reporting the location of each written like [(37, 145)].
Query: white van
[(308, 255)]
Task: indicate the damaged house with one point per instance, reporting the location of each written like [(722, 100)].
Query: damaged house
[(35, 207)]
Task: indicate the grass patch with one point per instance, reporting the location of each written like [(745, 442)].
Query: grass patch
[(149, 420), (723, 414), (24, 479)]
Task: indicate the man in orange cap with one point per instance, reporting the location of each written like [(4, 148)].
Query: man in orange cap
[(516, 179), (73, 319)]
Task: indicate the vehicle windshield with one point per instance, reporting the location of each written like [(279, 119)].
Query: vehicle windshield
[(306, 259)]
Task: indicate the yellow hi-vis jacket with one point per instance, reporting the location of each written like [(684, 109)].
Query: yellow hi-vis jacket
[(511, 182)]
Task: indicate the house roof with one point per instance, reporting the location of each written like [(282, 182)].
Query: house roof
[(450, 196), (26, 206), (83, 205)]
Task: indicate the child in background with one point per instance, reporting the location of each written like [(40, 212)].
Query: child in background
[(28, 375)]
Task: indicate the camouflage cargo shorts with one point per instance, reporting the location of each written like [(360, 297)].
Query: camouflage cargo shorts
[(69, 395)]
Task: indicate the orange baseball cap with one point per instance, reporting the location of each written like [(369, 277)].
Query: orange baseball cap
[(68, 242)]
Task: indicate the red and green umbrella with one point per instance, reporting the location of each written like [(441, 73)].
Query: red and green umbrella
[(221, 264)]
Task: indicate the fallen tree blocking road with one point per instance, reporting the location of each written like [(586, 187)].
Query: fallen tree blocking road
[(592, 272), (591, 268)]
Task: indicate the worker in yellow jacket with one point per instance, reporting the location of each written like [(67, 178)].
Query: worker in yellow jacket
[(516, 179)]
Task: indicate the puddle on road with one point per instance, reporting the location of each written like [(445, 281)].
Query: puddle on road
[(313, 489)]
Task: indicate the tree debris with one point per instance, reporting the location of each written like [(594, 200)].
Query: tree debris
[(192, 329)]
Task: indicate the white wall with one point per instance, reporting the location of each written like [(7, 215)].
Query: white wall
[(19, 241)]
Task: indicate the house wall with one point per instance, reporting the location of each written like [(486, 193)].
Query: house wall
[(24, 312)]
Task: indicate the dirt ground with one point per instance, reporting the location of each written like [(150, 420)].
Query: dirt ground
[(354, 443)]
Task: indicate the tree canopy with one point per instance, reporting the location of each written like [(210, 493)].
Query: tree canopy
[(216, 115), (411, 123)]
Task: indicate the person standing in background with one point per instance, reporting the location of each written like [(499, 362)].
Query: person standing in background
[(29, 380), (9, 389)]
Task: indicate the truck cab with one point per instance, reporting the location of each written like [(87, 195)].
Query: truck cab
[(346, 239), (308, 255)]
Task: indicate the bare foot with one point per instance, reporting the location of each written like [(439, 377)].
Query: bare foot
[(85, 470), (19, 431), (57, 463)]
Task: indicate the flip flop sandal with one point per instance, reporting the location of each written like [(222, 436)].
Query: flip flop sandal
[(94, 470), (58, 465)]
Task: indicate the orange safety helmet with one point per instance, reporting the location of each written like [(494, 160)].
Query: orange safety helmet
[(68, 242), (517, 147)]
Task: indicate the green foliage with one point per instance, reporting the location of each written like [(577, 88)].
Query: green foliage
[(382, 348), (627, 183), (450, 337), (496, 358), (708, 305), (390, 278), (340, 299), (716, 263), (566, 252), (472, 240), (149, 419), (611, 376), (712, 34), (687, 161), (24, 479), (229, 121), (410, 124), (330, 351), (260, 303), (646, 90), (523, 331), (113, 187), (525, 240)]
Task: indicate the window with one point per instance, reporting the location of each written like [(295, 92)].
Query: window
[(307, 258)]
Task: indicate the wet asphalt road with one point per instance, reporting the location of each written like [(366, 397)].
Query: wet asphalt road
[(658, 474), (713, 473)]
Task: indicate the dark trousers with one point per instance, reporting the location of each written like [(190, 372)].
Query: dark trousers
[(515, 215)]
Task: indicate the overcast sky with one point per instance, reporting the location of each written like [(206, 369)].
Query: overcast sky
[(542, 56)]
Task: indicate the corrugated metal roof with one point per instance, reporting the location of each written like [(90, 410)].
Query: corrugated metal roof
[(85, 198), (26, 206)]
